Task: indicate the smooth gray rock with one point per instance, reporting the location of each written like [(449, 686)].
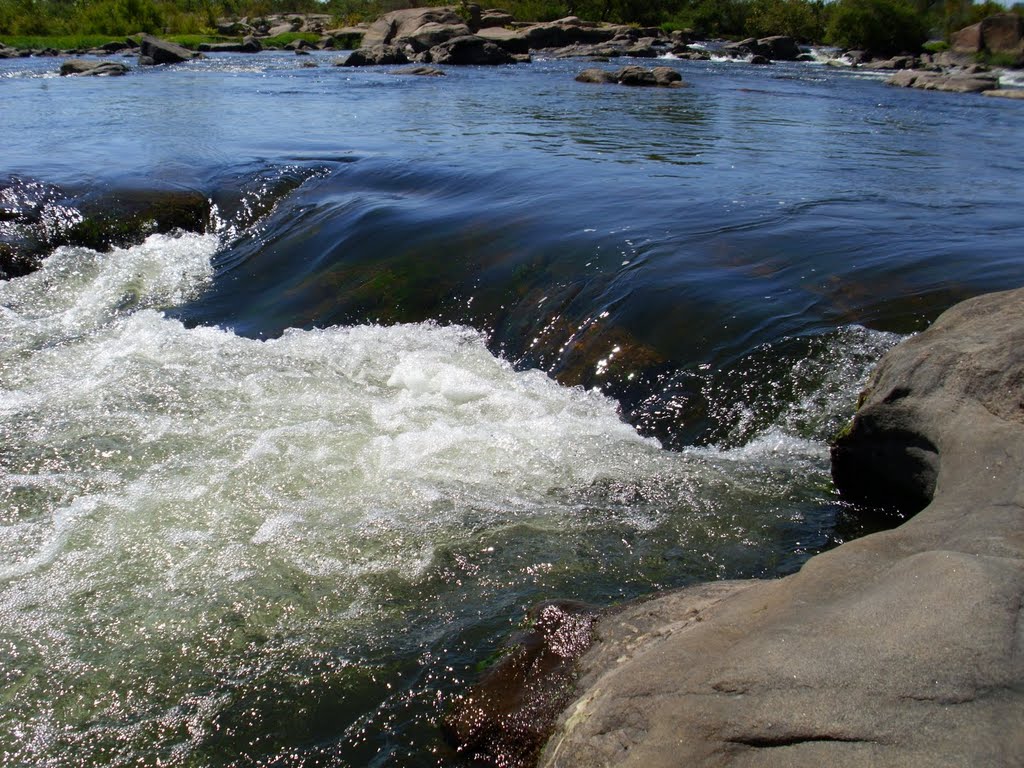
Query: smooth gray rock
[(902, 648)]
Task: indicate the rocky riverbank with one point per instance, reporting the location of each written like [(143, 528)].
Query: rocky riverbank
[(904, 647)]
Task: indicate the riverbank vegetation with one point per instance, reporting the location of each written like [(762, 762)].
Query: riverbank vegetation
[(876, 25)]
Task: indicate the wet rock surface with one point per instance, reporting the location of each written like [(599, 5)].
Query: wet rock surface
[(900, 648)]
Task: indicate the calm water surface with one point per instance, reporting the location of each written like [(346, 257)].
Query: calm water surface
[(451, 346)]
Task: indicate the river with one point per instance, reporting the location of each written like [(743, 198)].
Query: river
[(272, 494)]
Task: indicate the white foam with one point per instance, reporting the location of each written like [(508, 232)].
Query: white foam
[(181, 491)]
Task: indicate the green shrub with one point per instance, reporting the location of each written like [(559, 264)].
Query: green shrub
[(280, 41)]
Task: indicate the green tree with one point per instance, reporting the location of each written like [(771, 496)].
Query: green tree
[(800, 19), (883, 27)]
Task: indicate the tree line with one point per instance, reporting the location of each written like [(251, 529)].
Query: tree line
[(880, 26)]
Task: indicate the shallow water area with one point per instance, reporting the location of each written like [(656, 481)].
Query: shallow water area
[(270, 495)]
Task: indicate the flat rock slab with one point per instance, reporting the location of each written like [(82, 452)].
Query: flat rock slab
[(903, 648)]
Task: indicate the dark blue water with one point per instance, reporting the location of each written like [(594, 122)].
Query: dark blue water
[(273, 493)]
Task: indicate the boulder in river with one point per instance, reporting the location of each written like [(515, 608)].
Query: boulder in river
[(153, 50), (468, 49), (634, 75), (93, 67), (376, 54), (952, 82), (779, 48)]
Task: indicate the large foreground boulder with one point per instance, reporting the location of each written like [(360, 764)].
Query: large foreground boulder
[(902, 648)]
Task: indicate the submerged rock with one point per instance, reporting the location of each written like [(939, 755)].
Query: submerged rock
[(36, 218), (899, 648), (419, 71), (505, 719)]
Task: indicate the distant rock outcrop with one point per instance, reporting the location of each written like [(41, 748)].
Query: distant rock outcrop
[(1002, 33)]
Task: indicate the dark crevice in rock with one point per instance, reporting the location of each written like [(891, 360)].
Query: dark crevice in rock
[(790, 740), (892, 469)]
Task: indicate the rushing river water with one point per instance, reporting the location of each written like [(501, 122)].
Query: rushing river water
[(270, 494)]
